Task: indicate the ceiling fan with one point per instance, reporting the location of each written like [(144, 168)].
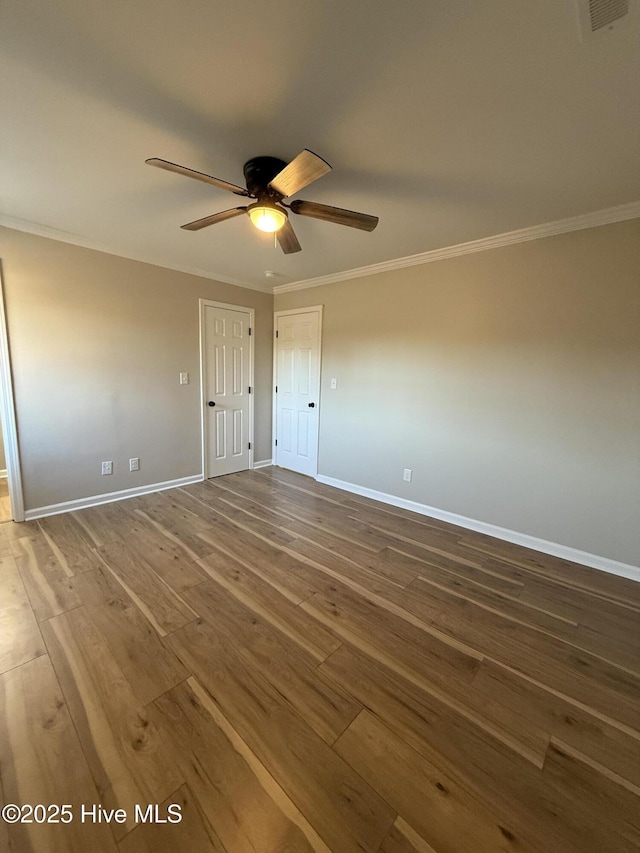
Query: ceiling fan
[(269, 181)]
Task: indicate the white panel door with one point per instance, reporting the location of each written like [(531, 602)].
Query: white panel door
[(226, 390), (298, 390)]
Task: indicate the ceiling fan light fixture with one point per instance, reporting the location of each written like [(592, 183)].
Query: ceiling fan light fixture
[(267, 217), (269, 181)]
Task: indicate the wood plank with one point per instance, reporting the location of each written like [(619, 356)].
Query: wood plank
[(499, 602), (168, 516), (455, 695), (612, 642), (429, 544), (289, 575), (397, 556), (66, 540), (344, 810), (103, 524), (6, 513), (428, 798), (596, 735), (292, 499), (416, 528), (49, 589), (241, 801), (248, 521), (5, 843), (289, 515), (122, 748), (478, 756), (193, 832), (302, 485), (583, 577), (266, 601), (163, 607), (149, 667), (582, 606), (20, 638), (452, 719), (42, 762), (5, 542), (321, 514), (334, 565), (169, 562), (618, 826), (244, 520), (410, 645), (587, 678), (402, 838), (322, 703), (382, 593), (12, 530), (388, 511), (347, 545)]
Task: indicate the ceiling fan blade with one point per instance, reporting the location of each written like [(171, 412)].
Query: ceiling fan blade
[(335, 214), (199, 176), (287, 239), (303, 170), (213, 219)]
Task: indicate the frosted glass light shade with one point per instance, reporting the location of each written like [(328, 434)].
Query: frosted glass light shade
[(267, 218)]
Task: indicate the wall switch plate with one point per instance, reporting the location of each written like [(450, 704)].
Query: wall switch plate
[(334, 384), (406, 476), (134, 464), (107, 468), (184, 378)]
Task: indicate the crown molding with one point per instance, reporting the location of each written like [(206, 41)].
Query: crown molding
[(522, 235), (549, 229), (85, 243)]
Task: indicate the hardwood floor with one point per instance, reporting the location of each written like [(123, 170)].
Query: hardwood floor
[(5, 502), (297, 668)]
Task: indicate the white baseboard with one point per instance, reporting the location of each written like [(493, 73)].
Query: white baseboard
[(3, 473), (573, 554), (264, 464), (109, 497)]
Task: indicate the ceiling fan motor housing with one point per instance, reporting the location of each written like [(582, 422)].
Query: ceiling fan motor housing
[(259, 171)]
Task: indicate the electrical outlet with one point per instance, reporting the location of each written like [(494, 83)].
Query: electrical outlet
[(406, 476), (134, 464), (107, 468)]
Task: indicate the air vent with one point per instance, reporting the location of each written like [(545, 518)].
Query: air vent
[(601, 16)]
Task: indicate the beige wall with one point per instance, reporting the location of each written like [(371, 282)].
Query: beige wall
[(508, 380), (97, 343)]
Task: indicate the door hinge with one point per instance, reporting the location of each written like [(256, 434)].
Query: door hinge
[(276, 389), (276, 333), (249, 329), (249, 445), (249, 388), (276, 442)]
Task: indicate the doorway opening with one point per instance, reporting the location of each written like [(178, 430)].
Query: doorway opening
[(5, 501), (13, 481)]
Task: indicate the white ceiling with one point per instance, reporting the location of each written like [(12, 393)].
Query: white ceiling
[(451, 120)]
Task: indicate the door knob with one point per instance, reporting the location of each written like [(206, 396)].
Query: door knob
[(312, 405), (211, 403)]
